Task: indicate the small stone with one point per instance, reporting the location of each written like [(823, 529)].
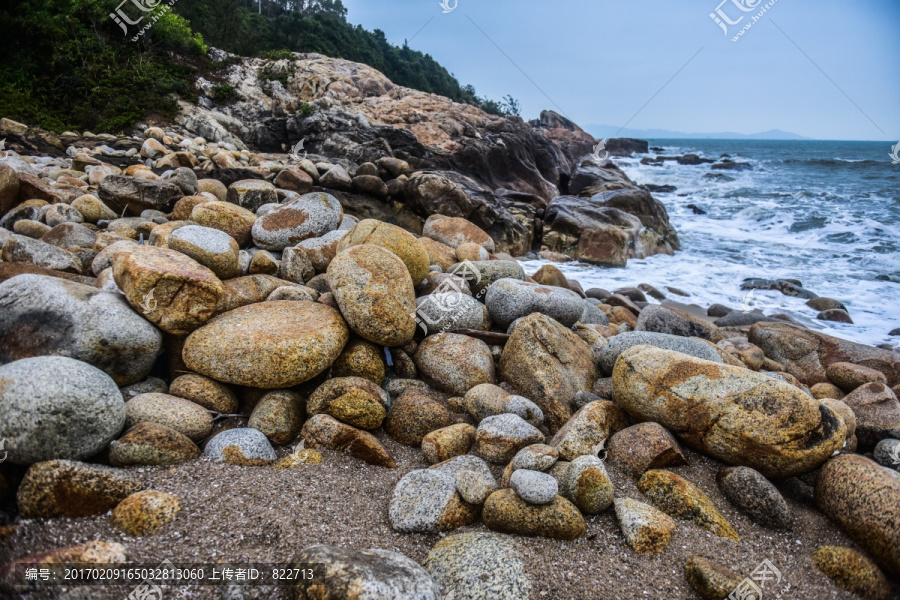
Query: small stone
[(755, 496), (145, 512), (820, 391), (534, 487), (65, 488), (709, 579), (185, 417), (92, 209), (537, 457), (426, 501), (300, 456), (152, 444), (506, 512), (278, 415), (479, 566), (587, 485), (647, 530), (244, 446), (877, 413), (21, 249), (445, 443), (853, 572), (681, 499), (472, 487), (327, 432), (206, 392), (500, 437)]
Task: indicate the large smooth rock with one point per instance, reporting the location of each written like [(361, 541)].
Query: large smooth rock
[(622, 342), (548, 364), (392, 238), (661, 319), (56, 407), (506, 512), (42, 315), (171, 290), (65, 488), (269, 345), (510, 299), (681, 499), (446, 311), (807, 354), (224, 216), (21, 249), (374, 291), (185, 417), (426, 501), (135, 195), (863, 498), (479, 566), (454, 363), (755, 496), (150, 443), (342, 574), (877, 412), (731, 413), (309, 216), (534, 487), (210, 247)]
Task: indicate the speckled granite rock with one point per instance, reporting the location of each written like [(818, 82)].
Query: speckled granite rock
[(479, 566), (647, 530), (537, 457), (206, 392), (352, 400), (506, 512), (755, 496), (709, 579), (150, 443), (144, 512), (244, 446), (426, 501), (447, 442), (340, 574), (309, 216), (413, 415), (681, 499), (853, 572), (534, 487), (644, 446), (587, 484), (500, 437), (510, 299), (454, 363), (185, 417), (278, 415), (324, 431), (622, 342), (65, 488), (588, 429)]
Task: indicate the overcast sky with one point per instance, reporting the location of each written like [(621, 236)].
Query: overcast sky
[(601, 61)]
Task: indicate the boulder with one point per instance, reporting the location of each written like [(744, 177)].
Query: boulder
[(661, 319), (537, 457), (448, 311), (375, 293), (42, 315), (426, 501), (251, 193), (853, 571), (454, 363), (511, 299), (185, 417), (269, 345), (324, 431), (206, 392), (506, 512), (351, 400), (338, 573), (863, 498), (447, 442), (478, 566), (413, 415), (548, 364), (733, 414), (21, 249), (321, 250), (309, 216), (210, 247), (224, 216), (481, 274), (587, 484), (65, 488), (171, 290), (135, 195), (500, 437), (391, 238), (9, 188), (877, 412), (486, 400), (807, 354), (361, 358), (534, 487), (278, 415), (848, 376), (54, 407), (455, 231)]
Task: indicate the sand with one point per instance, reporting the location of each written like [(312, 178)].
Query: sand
[(233, 514)]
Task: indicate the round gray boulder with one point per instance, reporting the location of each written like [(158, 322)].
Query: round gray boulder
[(510, 299), (534, 487), (42, 315), (309, 216), (622, 342), (446, 311), (53, 407)]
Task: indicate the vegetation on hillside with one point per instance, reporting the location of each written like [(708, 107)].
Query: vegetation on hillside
[(91, 64)]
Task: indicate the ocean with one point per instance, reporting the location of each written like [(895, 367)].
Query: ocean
[(826, 213)]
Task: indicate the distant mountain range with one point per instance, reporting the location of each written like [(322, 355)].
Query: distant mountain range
[(606, 131)]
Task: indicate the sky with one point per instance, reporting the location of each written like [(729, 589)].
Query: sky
[(823, 69)]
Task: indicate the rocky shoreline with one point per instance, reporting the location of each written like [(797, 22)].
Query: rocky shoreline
[(332, 359)]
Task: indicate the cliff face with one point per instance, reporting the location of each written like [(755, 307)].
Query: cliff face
[(500, 173)]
